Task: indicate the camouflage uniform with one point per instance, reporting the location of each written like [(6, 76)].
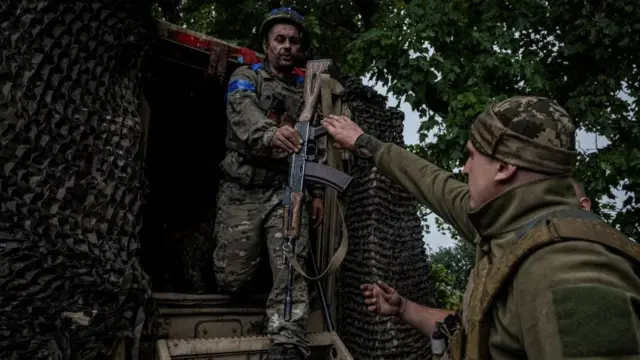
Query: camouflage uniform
[(550, 281), (250, 197)]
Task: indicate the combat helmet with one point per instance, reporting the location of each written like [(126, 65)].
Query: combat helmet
[(289, 16)]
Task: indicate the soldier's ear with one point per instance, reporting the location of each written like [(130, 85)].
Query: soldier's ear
[(585, 203), (505, 172)]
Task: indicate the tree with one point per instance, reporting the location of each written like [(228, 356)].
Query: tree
[(458, 260), (450, 58)]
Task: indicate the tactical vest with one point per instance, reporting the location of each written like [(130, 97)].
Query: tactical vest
[(281, 103), (551, 228)]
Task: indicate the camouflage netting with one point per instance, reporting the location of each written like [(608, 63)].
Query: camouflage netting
[(385, 243), (71, 183)]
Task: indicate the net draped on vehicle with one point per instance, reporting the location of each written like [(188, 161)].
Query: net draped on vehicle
[(385, 242), (71, 184)]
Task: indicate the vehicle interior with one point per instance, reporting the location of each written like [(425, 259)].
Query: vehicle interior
[(185, 144)]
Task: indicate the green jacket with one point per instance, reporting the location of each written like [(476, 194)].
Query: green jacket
[(566, 300)]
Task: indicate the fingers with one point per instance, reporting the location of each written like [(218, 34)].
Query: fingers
[(386, 288), (338, 119), (367, 287), (333, 122), (329, 126), (288, 139), (292, 136), (367, 290)]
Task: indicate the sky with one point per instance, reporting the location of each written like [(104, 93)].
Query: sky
[(585, 141)]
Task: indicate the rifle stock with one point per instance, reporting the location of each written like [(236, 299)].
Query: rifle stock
[(300, 167)]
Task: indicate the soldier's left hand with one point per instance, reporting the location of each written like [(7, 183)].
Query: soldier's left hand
[(343, 130), (317, 214)]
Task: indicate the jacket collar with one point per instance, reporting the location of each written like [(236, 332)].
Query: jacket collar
[(519, 205)]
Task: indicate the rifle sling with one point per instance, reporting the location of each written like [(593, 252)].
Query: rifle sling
[(341, 252)]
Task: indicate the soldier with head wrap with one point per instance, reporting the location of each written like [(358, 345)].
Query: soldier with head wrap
[(263, 103), (583, 199), (551, 280)]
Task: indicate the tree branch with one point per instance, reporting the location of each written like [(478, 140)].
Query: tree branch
[(435, 102), (368, 10)]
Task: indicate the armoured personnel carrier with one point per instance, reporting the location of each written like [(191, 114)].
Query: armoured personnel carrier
[(101, 109)]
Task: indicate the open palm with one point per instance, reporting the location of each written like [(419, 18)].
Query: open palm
[(382, 299)]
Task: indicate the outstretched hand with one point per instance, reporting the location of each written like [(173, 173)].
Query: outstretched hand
[(344, 131), (382, 299)]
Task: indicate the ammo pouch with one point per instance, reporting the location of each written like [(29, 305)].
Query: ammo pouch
[(453, 333), (571, 224)]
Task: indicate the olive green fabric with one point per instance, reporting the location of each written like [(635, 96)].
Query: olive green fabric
[(425, 181), (534, 133), (577, 318), (524, 324)]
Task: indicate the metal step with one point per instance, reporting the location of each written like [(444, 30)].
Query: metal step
[(324, 346)]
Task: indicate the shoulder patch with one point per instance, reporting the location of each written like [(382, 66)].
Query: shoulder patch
[(595, 320), (256, 67), (240, 84)]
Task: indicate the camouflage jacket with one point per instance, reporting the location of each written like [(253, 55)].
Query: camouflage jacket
[(257, 104)]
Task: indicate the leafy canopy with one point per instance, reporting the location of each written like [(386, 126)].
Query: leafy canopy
[(449, 58)]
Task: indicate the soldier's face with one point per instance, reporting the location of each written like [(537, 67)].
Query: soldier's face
[(486, 176), (283, 46)]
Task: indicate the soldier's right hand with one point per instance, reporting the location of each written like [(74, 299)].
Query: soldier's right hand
[(383, 299), (287, 139)]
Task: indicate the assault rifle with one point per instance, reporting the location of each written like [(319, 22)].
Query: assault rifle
[(302, 167)]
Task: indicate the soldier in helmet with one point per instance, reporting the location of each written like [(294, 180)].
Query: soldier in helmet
[(263, 104), (551, 280)]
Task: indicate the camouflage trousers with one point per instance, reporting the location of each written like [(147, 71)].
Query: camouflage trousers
[(245, 219)]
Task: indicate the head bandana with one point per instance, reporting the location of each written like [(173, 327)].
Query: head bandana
[(533, 133)]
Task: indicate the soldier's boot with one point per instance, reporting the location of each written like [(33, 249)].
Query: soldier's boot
[(284, 352)]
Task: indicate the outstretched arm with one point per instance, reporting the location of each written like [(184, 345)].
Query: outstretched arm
[(430, 185), (385, 300), (423, 318)]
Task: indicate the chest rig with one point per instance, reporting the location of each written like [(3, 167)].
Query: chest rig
[(548, 229), (281, 102)]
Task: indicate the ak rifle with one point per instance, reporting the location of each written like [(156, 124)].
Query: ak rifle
[(303, 166)]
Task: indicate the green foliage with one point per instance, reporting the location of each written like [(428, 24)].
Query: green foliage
[(583, 55), (458, 261), (445, 296), (449, 58)]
